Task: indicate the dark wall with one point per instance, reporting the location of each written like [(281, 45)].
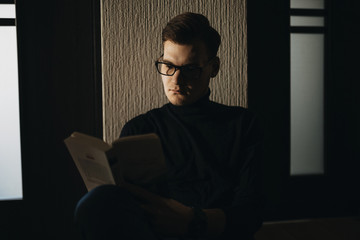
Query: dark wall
[(343, 110), (269, 92), (335, 193), (60, 92)]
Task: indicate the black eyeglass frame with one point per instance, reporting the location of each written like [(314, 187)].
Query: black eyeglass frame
[(181, 67)]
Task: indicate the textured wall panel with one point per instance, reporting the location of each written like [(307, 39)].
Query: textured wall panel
[(131, 42)]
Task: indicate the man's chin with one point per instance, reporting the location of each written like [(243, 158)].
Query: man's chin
[(179, 100)]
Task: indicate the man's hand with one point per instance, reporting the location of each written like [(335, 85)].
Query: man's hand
[(167, 216)]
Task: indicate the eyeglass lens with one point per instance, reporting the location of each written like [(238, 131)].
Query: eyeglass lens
[(169, 70)]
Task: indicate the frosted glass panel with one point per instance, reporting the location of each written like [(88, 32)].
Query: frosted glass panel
[(10, 155), (306, 21), (307, 100), (312, 4), (7, 10)]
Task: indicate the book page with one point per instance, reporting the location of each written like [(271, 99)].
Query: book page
[(138, 159), (90, 159)]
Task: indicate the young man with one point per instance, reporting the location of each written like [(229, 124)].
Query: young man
[(212, 153)]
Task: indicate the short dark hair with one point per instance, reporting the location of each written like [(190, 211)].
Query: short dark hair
[(187, 28)]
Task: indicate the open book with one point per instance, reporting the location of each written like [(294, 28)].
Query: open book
[(136, 159)]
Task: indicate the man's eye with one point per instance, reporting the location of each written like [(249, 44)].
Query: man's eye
[(169, 66)]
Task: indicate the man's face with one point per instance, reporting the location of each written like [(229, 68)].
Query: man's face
[(181, 90)]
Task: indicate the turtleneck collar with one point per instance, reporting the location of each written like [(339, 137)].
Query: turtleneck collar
[(197, 107)]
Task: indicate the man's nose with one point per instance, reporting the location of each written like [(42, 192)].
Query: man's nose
[(178, 77)]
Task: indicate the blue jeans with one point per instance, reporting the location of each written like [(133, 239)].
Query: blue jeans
[(109, 212)]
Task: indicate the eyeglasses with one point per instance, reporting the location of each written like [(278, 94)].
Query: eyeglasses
[(188, 71)]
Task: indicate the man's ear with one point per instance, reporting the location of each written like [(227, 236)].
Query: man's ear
[(215, 67)]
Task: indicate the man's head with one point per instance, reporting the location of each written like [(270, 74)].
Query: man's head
[(190, 48), (189, 28)]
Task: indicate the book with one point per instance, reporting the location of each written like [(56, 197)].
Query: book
[(135, 159)]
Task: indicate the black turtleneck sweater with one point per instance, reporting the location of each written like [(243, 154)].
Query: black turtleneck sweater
[(213, 156)]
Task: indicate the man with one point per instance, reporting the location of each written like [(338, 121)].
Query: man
[(212, 153)]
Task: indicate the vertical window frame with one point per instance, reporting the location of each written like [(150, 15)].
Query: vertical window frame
[(308, 12), (11, 22)]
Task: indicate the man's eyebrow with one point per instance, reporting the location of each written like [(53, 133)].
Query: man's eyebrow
[(189, 64), (166, 61)]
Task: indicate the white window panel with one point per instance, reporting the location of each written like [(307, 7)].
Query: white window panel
[(299, 21), (7, 10), (10, 153), (310, 4), (307, 104)]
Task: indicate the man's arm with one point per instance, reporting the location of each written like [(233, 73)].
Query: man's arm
[(244, 213), (216, 221), (172, 218), (241, 215)]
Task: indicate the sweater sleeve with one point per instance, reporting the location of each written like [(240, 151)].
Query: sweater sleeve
[(243, 214), (136, 126)]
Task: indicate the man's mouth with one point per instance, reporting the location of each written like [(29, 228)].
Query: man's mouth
[(177, 91)]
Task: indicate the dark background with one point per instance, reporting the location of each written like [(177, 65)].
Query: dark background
[(60, 92)]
